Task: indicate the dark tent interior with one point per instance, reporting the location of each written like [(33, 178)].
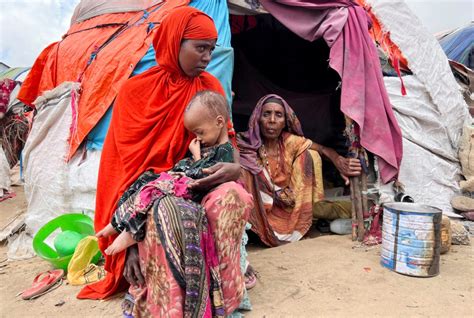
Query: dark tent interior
[(269, 58)]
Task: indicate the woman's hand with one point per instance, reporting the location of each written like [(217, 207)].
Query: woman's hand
[(219, 173), (132, 271), (348, 167)]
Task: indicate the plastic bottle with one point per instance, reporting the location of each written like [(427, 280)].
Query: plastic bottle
[(341, 226)]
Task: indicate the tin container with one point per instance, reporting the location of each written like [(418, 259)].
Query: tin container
[(411, 239)]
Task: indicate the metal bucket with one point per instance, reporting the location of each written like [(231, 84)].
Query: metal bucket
[(411, 239)]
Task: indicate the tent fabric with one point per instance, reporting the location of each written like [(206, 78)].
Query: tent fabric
[(427, 61), (5, 181), (52, 187), (382, 38), (222, 62), (218, 11), (245, 7), (430, 169), (459, 45), (353, 55), (88, 9), (66, 60), (96, 138), (45, 172), (14, 73), (221, 65), (438, 100)]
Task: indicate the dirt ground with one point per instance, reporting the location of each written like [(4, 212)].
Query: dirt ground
[(327, 276)]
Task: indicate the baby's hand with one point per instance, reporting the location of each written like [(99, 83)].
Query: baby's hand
[(195, 148)]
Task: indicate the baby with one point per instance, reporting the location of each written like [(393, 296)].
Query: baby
[(206, 116)]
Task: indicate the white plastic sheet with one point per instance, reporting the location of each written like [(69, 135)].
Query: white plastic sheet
[(87, 9), (4, 173), (52, 186), (431, 115)]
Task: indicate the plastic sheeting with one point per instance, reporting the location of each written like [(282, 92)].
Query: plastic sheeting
[(430, 168), (245, 7), (87, 9), (431, 115), (218, 11), (4, 173), (108, 69), (53, 187), (459, 45), (221, 65)]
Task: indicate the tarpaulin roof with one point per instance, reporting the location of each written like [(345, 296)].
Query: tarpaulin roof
[(87, 9), (13, 73), (459, 45), (221, 64), (108, 69)]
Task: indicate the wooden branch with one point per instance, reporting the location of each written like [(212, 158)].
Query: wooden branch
[(360, 217), (354, 214)]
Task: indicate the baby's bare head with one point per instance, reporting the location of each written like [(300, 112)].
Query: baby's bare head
[(206, 116), (208, 103)]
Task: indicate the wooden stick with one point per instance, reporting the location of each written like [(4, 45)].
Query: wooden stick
[(353, 201), (360, 217), (365, 201)]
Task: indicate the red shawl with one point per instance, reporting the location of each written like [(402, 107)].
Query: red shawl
[(147, 130)]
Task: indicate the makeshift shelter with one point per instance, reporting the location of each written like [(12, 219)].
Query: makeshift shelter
[(280, 46), (13, 123), (459, 45)]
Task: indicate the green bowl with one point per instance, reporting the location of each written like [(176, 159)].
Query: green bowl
[(78, 223)]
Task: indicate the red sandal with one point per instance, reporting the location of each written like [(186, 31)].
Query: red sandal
[(43, 283)]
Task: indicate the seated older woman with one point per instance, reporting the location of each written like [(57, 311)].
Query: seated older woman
[(282, 169)]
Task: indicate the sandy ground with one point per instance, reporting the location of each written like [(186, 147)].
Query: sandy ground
[(326, 276)]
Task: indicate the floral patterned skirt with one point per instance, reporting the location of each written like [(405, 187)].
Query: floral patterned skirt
[(227, 208)]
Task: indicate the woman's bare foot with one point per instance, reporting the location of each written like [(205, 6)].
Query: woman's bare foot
[(106, 231), (120, 243)]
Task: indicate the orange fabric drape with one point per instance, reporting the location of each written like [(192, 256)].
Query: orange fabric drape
[(146, 131), (66, 60), (383, 38)]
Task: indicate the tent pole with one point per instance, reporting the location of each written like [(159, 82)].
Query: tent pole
[(358, 185), (353, 210)]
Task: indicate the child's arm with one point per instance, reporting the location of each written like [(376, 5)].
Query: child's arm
[(195, 149)]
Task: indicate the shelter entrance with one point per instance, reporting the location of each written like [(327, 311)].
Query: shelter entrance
[(269, 58)]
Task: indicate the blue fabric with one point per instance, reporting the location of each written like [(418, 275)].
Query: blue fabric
[(459, 46), (221, 65), (147, 62), (96, 138), (219, 12)]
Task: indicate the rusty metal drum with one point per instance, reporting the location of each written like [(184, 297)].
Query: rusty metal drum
[(411, 239)]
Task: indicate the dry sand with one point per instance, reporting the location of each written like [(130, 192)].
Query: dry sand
[(319, 277)]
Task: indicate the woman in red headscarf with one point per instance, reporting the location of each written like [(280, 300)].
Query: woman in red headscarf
[(147, 133)]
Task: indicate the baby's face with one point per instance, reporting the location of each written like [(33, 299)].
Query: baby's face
[(207, 129)]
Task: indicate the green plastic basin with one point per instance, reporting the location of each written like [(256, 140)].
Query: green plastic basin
[(73, 222)]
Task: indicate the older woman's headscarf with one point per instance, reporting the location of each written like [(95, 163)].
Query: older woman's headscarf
[(147, 130), (250, 141)]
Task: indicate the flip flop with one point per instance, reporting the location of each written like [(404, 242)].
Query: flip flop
[(250, 278), (43, 283)]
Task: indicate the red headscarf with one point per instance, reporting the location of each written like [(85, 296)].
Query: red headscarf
[(147, 130)]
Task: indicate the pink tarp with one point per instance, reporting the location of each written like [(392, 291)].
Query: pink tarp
[(344, 27)]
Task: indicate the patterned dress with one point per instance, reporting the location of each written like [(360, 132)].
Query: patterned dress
[(189, 252)]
